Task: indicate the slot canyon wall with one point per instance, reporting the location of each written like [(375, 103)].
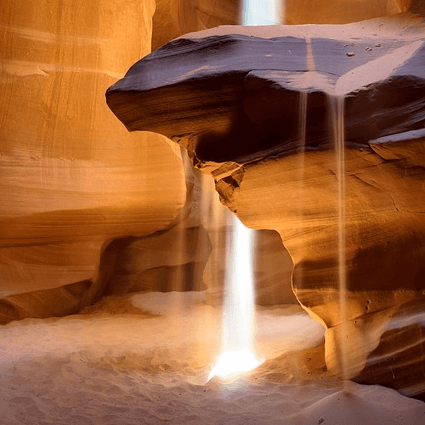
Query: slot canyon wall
[(72, 178), (340, 12), (88, 209), (78, 193), (173, 18), (236, 94)]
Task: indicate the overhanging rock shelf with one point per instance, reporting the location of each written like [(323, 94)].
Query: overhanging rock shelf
[(232, 98)]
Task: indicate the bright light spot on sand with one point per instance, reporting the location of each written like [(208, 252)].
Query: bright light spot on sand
[(237, 344), (235, 362), (261, 12)]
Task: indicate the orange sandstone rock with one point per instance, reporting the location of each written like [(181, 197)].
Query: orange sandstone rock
[(233, 99), (173, 18), (72, 178), (340, 11)]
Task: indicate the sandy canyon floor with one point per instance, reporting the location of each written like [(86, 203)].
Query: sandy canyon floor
[(145, 358)]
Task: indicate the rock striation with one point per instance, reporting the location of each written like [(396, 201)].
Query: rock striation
[(340, 11), (259, 110), (80, 197), (193, 255), (72, 178), (239, 95), (174, 18)]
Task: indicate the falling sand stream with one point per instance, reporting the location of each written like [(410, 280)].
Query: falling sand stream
[(309, 79), (337, 110), (237, 337), (354, 80)]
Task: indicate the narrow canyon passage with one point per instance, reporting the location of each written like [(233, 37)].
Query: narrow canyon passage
[(126, 269)]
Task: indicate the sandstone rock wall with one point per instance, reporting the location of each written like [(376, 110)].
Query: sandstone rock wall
[(78, 192), (237, 107), (177, 17), (194, 254), (72, 178), (340, 11)]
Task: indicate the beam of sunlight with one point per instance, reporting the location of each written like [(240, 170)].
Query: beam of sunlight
[(261, 12), (237, 354), (237, 345)]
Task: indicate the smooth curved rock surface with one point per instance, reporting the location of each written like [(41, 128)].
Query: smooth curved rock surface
[(72, 178), (166, 261), (232, 98), (272, 267), (340, 11), (237, 96), (193, 255), (174, 18)]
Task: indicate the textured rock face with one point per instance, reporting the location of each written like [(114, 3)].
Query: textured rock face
[(72, 178), (272, 267), (78, 192), (234, 101), (172, 261), (340, 11), (173, 18), (193, 255), (244, 103)]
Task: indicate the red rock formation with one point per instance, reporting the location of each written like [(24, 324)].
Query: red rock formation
[(232, 99), (340, 11), (193, 255), (173, 18), (77, 189), (72, 178)]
